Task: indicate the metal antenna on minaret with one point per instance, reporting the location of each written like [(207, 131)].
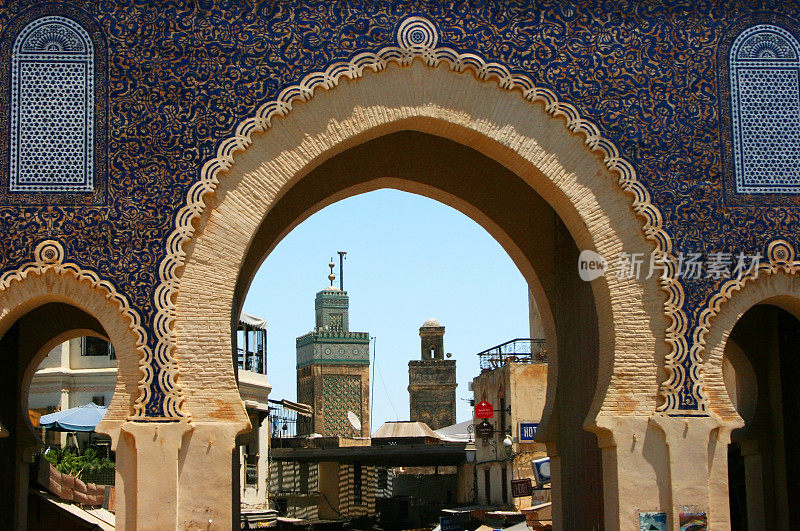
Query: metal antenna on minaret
[(331, 277), (341, 269)]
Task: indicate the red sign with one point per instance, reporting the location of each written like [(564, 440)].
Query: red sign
[(484, 410)]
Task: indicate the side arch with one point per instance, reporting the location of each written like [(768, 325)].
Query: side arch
[(775, 283), (43, 302), (49, 279), (774, 288)]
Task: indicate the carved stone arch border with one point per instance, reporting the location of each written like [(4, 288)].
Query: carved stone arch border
[(772, 281), (417, 39), (50, 277)]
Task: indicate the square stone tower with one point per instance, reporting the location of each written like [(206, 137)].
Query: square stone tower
[(432, 380), (333, 370)]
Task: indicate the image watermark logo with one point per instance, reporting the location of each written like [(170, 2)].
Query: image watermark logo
[(713, 265), (591, 265)]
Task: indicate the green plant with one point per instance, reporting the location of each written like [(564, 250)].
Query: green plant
[(77, 464)]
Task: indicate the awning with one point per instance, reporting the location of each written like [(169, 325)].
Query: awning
[(81, 418), (300, 409), (252, 321)]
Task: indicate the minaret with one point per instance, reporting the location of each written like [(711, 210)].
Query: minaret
[(432, 380), (333, 368)]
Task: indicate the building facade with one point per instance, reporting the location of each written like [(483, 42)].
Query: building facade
[(74, 373), (152, 157), (516, 387), (432, 380)]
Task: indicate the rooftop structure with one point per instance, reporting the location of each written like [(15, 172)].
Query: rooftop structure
[(520, 350)]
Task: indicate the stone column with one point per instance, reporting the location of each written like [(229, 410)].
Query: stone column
[(147, 475), (64, 405), (263, 460), (206, 478), (176, 475), (754, 480), (635, 470), (65, 353), (697, 450)]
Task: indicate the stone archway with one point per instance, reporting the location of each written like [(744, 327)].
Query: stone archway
[(44, 302), (745, 311), (522, 139)]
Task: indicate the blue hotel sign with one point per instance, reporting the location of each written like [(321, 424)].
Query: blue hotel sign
[(527, 430)]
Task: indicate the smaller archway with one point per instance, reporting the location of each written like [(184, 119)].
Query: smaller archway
[(762, 356), (22, 348), (42, 304)]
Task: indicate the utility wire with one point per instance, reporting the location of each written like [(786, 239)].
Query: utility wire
[(386, 390)]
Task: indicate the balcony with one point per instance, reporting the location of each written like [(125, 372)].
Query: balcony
[(520, 350)]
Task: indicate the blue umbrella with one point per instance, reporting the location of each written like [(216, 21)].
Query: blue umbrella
[(81, 418)]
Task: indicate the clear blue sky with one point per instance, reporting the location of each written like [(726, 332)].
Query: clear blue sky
[(409, 258)]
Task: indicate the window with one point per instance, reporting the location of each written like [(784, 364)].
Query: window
[(100, 400), (94, 346), (487, 485), (304, 473), (52, 108), (357, 490), (383, 479), (765, 110)]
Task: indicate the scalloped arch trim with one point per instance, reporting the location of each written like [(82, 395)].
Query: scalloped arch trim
[(49, 255), (781, 256)]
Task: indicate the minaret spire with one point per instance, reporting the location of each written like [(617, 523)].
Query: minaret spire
[(331, 277), (341, 269)]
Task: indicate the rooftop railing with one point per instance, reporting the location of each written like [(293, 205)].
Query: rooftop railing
[(520, 350)]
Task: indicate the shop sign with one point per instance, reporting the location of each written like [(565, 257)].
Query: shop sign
[(484, 410), (521, 487), (484, 430), (527, 430), (450, 523)]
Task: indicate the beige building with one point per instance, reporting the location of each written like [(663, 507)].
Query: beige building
[(74, 373), (84, 370), (515, 383)]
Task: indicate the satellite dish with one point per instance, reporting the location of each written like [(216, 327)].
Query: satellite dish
[(354, 422)]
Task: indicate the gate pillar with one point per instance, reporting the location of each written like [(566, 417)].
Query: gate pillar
[(147, 474)]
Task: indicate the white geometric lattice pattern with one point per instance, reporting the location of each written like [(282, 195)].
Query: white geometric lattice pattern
[(52, 100), (765, 94)]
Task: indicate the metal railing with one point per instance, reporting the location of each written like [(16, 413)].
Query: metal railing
[(283, 421), (520, 350)]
